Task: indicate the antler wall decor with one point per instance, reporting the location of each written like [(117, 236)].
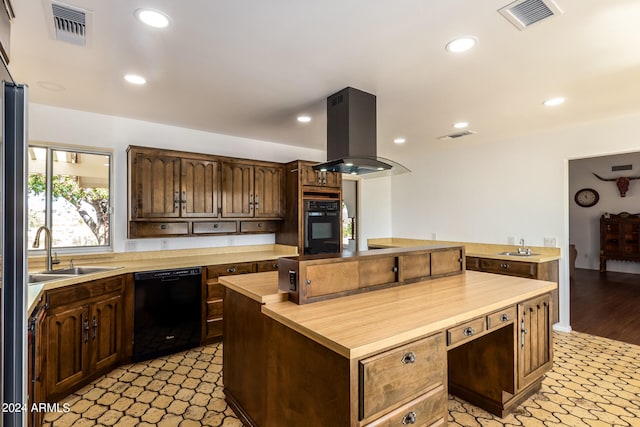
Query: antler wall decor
[(622, 182)]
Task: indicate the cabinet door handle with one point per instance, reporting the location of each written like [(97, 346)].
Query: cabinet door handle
[(523, 332), (394, 269), (257, 202), (95, 329), (176, 200), (409, 357), (250, 201), (86, 330), (184, 200), (409, 418), (468, 331), (504, 317)]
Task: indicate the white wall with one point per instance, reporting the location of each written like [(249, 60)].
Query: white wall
[(72, 127), (584, 223), (467, 191)]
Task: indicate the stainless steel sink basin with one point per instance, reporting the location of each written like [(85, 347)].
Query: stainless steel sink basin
[(65, 273), (46, 277), (517, 254), (78, 271)]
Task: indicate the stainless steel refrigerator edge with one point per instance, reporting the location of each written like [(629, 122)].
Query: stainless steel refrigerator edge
[(13, 255)]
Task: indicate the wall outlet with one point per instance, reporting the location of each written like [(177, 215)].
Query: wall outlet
[(433, 236), (511, 240), (131, 246), (550, 242), (164, 244)]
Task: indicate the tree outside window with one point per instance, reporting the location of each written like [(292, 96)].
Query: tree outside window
[(76, 203)]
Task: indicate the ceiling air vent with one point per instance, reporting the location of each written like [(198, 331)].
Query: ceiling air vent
[(70, 24), (524, 13), (457, 135)]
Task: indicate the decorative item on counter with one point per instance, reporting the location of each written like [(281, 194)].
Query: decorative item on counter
[(622, 182)]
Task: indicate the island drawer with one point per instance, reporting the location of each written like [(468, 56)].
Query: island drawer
[(391, 378), (501, 317), (428, 410), (466, 332)]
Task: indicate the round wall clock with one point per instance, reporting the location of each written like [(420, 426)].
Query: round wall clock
[(586, 197)]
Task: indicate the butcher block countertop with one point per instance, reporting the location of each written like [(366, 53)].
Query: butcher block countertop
[(480, 250), (133, 262), (362, 324)]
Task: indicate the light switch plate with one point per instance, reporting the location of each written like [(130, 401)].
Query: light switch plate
[(511, 240), (550, 242)]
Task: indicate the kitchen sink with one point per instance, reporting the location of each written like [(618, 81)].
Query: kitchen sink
[(65, 273), (46, 277), (78, 271), (517, 254)]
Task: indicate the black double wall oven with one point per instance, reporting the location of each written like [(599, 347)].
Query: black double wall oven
[(322, 225)]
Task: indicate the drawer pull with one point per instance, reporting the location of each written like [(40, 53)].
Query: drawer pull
[(259, 225), (468, 331), (504, 317), (504, 265), (409, 357), (231, 270), (215, 225), (163, 227), (409, 418), (394, 269)]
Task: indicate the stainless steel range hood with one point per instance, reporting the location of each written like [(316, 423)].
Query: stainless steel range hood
[(351, 136)]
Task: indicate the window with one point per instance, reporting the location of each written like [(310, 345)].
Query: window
[(69, 191)]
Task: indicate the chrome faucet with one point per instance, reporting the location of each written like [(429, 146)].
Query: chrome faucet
[(47, 245), (522, 250)]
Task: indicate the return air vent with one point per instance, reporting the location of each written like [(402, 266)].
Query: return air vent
[(69, 24), (456, 135), (524, 13)]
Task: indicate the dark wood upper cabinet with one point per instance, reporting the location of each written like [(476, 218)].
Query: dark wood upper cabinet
[(269, 192), (200, 188), (175, 193), (154, 185), (237, 190)]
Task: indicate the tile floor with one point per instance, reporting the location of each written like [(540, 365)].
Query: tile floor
[(594, 382)]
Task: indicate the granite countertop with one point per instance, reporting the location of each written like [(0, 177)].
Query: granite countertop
[(481, 250), (159, 260)]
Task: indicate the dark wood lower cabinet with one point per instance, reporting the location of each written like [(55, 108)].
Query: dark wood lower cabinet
[(84, 334), (531, 270)]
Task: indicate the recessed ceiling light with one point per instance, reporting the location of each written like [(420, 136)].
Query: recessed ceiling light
[(461, 44), (400, 140), (461, 125), (135, 79), (304, 118), (153, 18), (554, 101)]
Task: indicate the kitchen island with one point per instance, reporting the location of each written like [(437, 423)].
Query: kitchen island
[(386, 357)]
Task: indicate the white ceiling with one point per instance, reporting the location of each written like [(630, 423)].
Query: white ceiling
[(248, 67)]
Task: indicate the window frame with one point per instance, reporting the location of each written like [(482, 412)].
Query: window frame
[(48, 213)]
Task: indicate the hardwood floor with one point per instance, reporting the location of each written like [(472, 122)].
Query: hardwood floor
[(606, 305)]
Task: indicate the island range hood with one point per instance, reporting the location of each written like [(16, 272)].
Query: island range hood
[(351, 136)]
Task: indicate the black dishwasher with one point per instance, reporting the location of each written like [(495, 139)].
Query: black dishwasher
[(167, 312)]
